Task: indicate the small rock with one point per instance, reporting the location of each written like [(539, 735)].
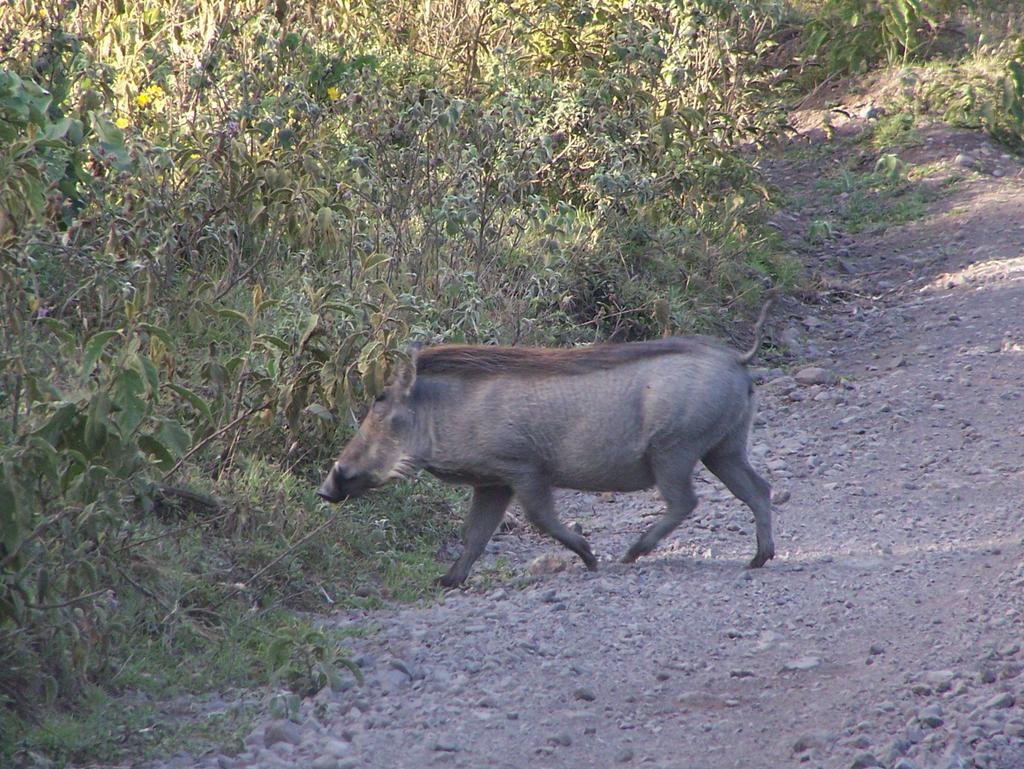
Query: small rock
[(965, 161), (445, 746), (324, 762), (550, 596), (282, 731), (624, 756), (549, 563), (931, 716), (905, 763), (585, 694), (942, 680), (781, 497), (876, 649), (1001, 700), (872, 112), (814, 739), (815, 375), (864, 761), (802, 663), (562, 738), (337, 748)]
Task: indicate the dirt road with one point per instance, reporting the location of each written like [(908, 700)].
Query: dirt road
[(887, 632)]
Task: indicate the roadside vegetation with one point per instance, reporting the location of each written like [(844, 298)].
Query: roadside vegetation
[(222, 223)]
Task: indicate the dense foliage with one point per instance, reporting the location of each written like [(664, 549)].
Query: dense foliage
[(221, 222)]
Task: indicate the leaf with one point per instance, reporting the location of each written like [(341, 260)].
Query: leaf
[(42, 584), (270, 340), (196, 400), (94, 348), (59, 329), (49, 689), (318, 410), (158, 332), (152, 446), (131, 409), (372, 260), (312, 321), (47, 453), (227, 312), (96, 422), (53, 431), (174, 437), (10, 531)]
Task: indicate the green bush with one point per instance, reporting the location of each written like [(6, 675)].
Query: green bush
[(220, 225)]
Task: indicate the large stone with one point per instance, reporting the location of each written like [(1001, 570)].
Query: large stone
[(815, 375), (281, 731)]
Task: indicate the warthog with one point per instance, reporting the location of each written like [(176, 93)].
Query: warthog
[(520, 422)]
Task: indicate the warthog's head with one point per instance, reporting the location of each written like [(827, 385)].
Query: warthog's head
[(379, 451)]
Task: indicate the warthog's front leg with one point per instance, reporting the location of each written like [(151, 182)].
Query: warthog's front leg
[(539, 506), (739, 477), (485, 513)]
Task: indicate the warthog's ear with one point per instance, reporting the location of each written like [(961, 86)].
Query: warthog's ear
[(406, 376)]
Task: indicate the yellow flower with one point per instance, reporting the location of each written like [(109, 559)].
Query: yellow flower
[(152, 95), (122, 122), (333, 93)]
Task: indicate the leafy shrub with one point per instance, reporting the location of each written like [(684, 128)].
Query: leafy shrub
[(221, 224)]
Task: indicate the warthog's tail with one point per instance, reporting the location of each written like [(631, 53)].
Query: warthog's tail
[(748, 356)]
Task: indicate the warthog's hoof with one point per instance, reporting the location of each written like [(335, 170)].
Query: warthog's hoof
[(761, 557), (633, 553), (450, 580)]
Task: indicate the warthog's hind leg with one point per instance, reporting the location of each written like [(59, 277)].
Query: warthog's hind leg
[(739, 477), (538, 504), (673, 475), (485, 513)]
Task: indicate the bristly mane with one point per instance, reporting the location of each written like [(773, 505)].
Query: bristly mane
[(483, 360)]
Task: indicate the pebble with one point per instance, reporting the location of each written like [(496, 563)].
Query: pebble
[(864, 761), (549, 563), (338, 748), (624, 756), (802, 663), (282, 731), (585, 694), (562, 738), (942, 680), (1001, 700), (815, 375), (931, 715), (444, 746)]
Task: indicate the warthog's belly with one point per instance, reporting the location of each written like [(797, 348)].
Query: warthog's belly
[(620, 477)]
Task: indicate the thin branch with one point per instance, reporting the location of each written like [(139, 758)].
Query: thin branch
[(244, 585), (36, 533), (62, 604), (216, 434)]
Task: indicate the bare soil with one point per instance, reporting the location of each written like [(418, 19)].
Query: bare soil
[(886, 632)]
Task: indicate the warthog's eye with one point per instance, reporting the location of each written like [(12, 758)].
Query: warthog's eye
[(380, 398)]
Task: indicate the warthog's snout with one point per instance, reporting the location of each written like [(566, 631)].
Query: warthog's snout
[(333, 489)]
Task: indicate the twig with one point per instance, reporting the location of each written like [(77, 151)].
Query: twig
[(216, 434), (36, 533), (62, 604), (242, 586)]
